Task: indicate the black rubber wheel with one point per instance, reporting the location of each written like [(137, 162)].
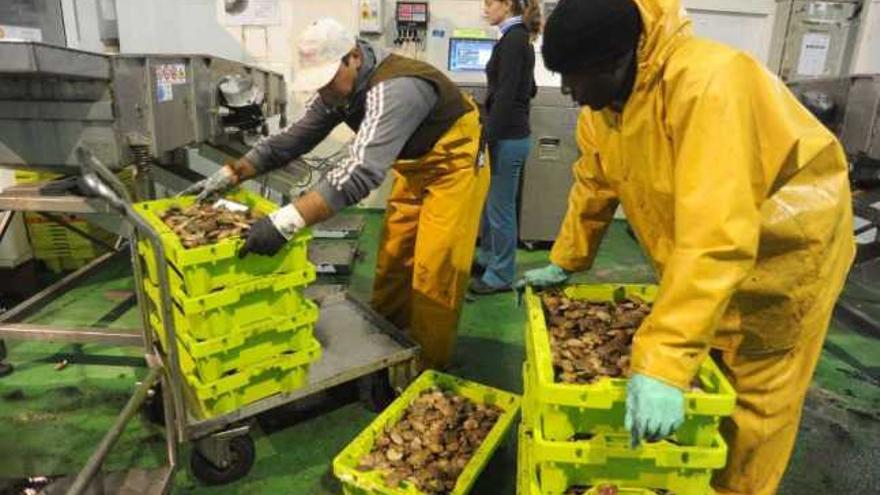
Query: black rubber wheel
[(241, 459), (154, 407), (375, 392)]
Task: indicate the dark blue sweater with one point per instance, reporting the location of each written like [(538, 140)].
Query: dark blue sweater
[(510, 73)]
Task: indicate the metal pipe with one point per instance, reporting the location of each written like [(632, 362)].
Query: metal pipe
[(44, 333), (96, 177), (40, 299), (167, 318), (171, 443), (5, 221), (171, 428), (84, 478)]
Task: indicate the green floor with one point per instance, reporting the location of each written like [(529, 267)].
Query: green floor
[(51, 419)]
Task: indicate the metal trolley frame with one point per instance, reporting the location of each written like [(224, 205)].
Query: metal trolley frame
[(358, 346)]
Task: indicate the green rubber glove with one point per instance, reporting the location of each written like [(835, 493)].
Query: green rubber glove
[(547, 276), (654, 410)]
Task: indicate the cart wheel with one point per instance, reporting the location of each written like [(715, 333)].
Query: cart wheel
[(241, 460), (375, 392), (154, 406)]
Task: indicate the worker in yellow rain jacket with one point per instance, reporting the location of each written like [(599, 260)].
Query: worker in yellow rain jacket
[(736, 193), (409, 118)]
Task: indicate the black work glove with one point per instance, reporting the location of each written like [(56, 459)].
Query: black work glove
[(264, 238)]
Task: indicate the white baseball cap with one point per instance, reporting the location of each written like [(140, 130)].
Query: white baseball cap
[(320, 51)]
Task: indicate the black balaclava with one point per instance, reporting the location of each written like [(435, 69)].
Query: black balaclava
[(581, 34)]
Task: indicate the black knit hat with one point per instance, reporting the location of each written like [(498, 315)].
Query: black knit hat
[(585, 33)]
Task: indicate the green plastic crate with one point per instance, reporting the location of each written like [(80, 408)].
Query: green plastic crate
[(28, 176), (355, 482), (232, 310), (88, 252), (266, 339), (283, 374), (610, 459), (52, 240), (527, 480), (200, 270), (569, 409), (65, 263), (57, 242)]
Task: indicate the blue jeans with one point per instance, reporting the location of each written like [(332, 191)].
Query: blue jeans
[(498, 230)]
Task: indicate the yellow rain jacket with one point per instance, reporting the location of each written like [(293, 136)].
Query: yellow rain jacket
[(737, 194)]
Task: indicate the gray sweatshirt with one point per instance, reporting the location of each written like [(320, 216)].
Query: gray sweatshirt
[(384, 118)]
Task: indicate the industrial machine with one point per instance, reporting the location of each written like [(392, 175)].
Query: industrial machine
[(850, 107), (85, 115), (131, 109), (814, 38), (547, 175)]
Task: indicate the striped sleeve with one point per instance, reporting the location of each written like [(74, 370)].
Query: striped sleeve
[(394, 109), (298, 138)]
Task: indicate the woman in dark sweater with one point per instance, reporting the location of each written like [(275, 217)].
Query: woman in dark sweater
[(511, 86)]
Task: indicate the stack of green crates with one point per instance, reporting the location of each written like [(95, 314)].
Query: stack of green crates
[(572, 435), (57, 246), (244, 329)]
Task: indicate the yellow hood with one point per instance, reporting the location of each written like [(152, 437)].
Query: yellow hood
[(664, 26)]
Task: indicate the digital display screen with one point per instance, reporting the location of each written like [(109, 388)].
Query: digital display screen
[(412, 12), (467, 54)]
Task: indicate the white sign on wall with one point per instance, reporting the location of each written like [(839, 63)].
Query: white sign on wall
[(20, 33), (814, 54), (249, 12), (369, 16)]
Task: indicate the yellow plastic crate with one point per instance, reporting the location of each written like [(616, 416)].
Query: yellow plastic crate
[(200, 270), (283, 374), (569, 409), (527, 481), (610, 459), (232, 310), (267, 339), (372, 482)]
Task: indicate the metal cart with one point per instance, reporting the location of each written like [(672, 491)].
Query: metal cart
[(357, 345)]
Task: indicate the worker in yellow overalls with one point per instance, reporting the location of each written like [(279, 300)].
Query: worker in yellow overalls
[(739, 197), (411, 119)]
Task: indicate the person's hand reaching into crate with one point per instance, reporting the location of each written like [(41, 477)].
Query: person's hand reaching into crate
[(270, 233), (214, 186), (221, 181), (654, 410), (548, 276)]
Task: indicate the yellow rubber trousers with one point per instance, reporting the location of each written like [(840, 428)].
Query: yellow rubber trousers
[(428, 240), (771, 389)]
